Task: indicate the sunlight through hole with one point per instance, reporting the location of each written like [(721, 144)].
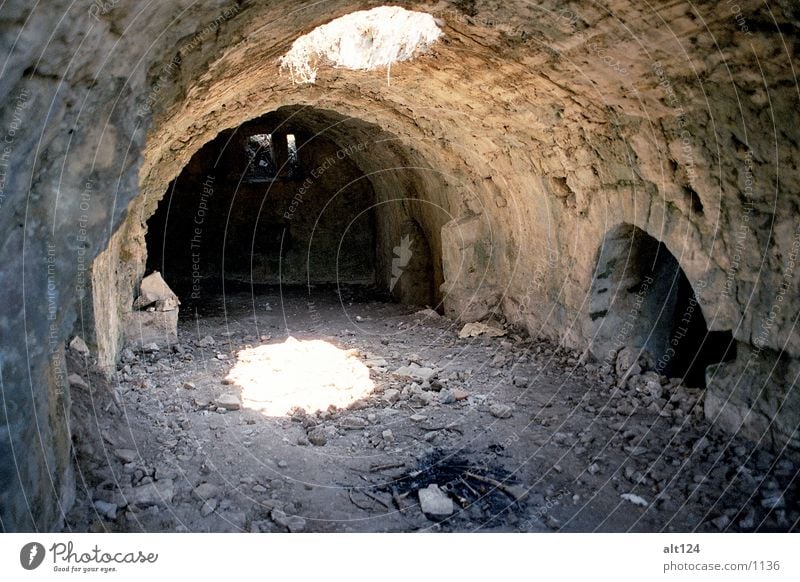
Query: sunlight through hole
[(308, 374)]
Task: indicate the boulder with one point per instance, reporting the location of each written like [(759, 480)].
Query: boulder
[(155, 292), (435, 502)]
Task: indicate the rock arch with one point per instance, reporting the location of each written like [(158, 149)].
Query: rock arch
[(641, 298)]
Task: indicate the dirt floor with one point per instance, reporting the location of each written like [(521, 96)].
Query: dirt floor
[(503, 433)]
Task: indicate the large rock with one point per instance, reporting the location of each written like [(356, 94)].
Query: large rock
[(229, 401), (155, 292), (416, 372), (154, 493), (756, 396), (435, 502), (627, 363)]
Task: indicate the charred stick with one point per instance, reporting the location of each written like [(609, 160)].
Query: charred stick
[(497, 484)]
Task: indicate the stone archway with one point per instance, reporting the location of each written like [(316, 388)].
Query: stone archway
[(641, 298)]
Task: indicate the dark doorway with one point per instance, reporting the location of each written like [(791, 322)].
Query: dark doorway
[(641, 298), (265, 204)]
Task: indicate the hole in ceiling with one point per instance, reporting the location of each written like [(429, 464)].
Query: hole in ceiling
[(364, 40)]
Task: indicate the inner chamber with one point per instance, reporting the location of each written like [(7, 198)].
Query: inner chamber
[(265, 203)]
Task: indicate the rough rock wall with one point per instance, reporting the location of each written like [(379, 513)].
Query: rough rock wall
[(552, 123)]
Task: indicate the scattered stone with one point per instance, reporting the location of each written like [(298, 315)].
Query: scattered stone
[(222, 356), (593, 469), (654, 388), (79, 346), (373, 361), (477, 328), (416, 372), (228, 401), (165, 471), (435, 502), (150, 348), (422, 398), (460, 394), (319, 436), (446, 396), (388, 436), (154, 493), (76, 381), (259, 488), (354, 423), (108, 510), (391, 395), (189, 386), (206, 491), (282, 464), (128, 356), (749, 521), (294, 523), (721, 522), (417, 417), (498, 361), (552, 522), (126, 455), (627, 363), (428, 313), (561, 438), (500, 410), (700, 445), (775, 501), (206, 342), (635, 499), (208, 507)]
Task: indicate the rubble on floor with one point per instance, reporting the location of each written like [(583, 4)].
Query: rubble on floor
[(537, 437)]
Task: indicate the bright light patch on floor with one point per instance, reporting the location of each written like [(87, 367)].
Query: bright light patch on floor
[(363, 40), (309, 374)]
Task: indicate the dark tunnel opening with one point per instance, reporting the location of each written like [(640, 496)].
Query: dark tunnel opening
[(261, 205), (641, 298)]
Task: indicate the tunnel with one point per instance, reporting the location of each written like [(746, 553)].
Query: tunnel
[(266, 204), (641, 298), (278, 201)]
